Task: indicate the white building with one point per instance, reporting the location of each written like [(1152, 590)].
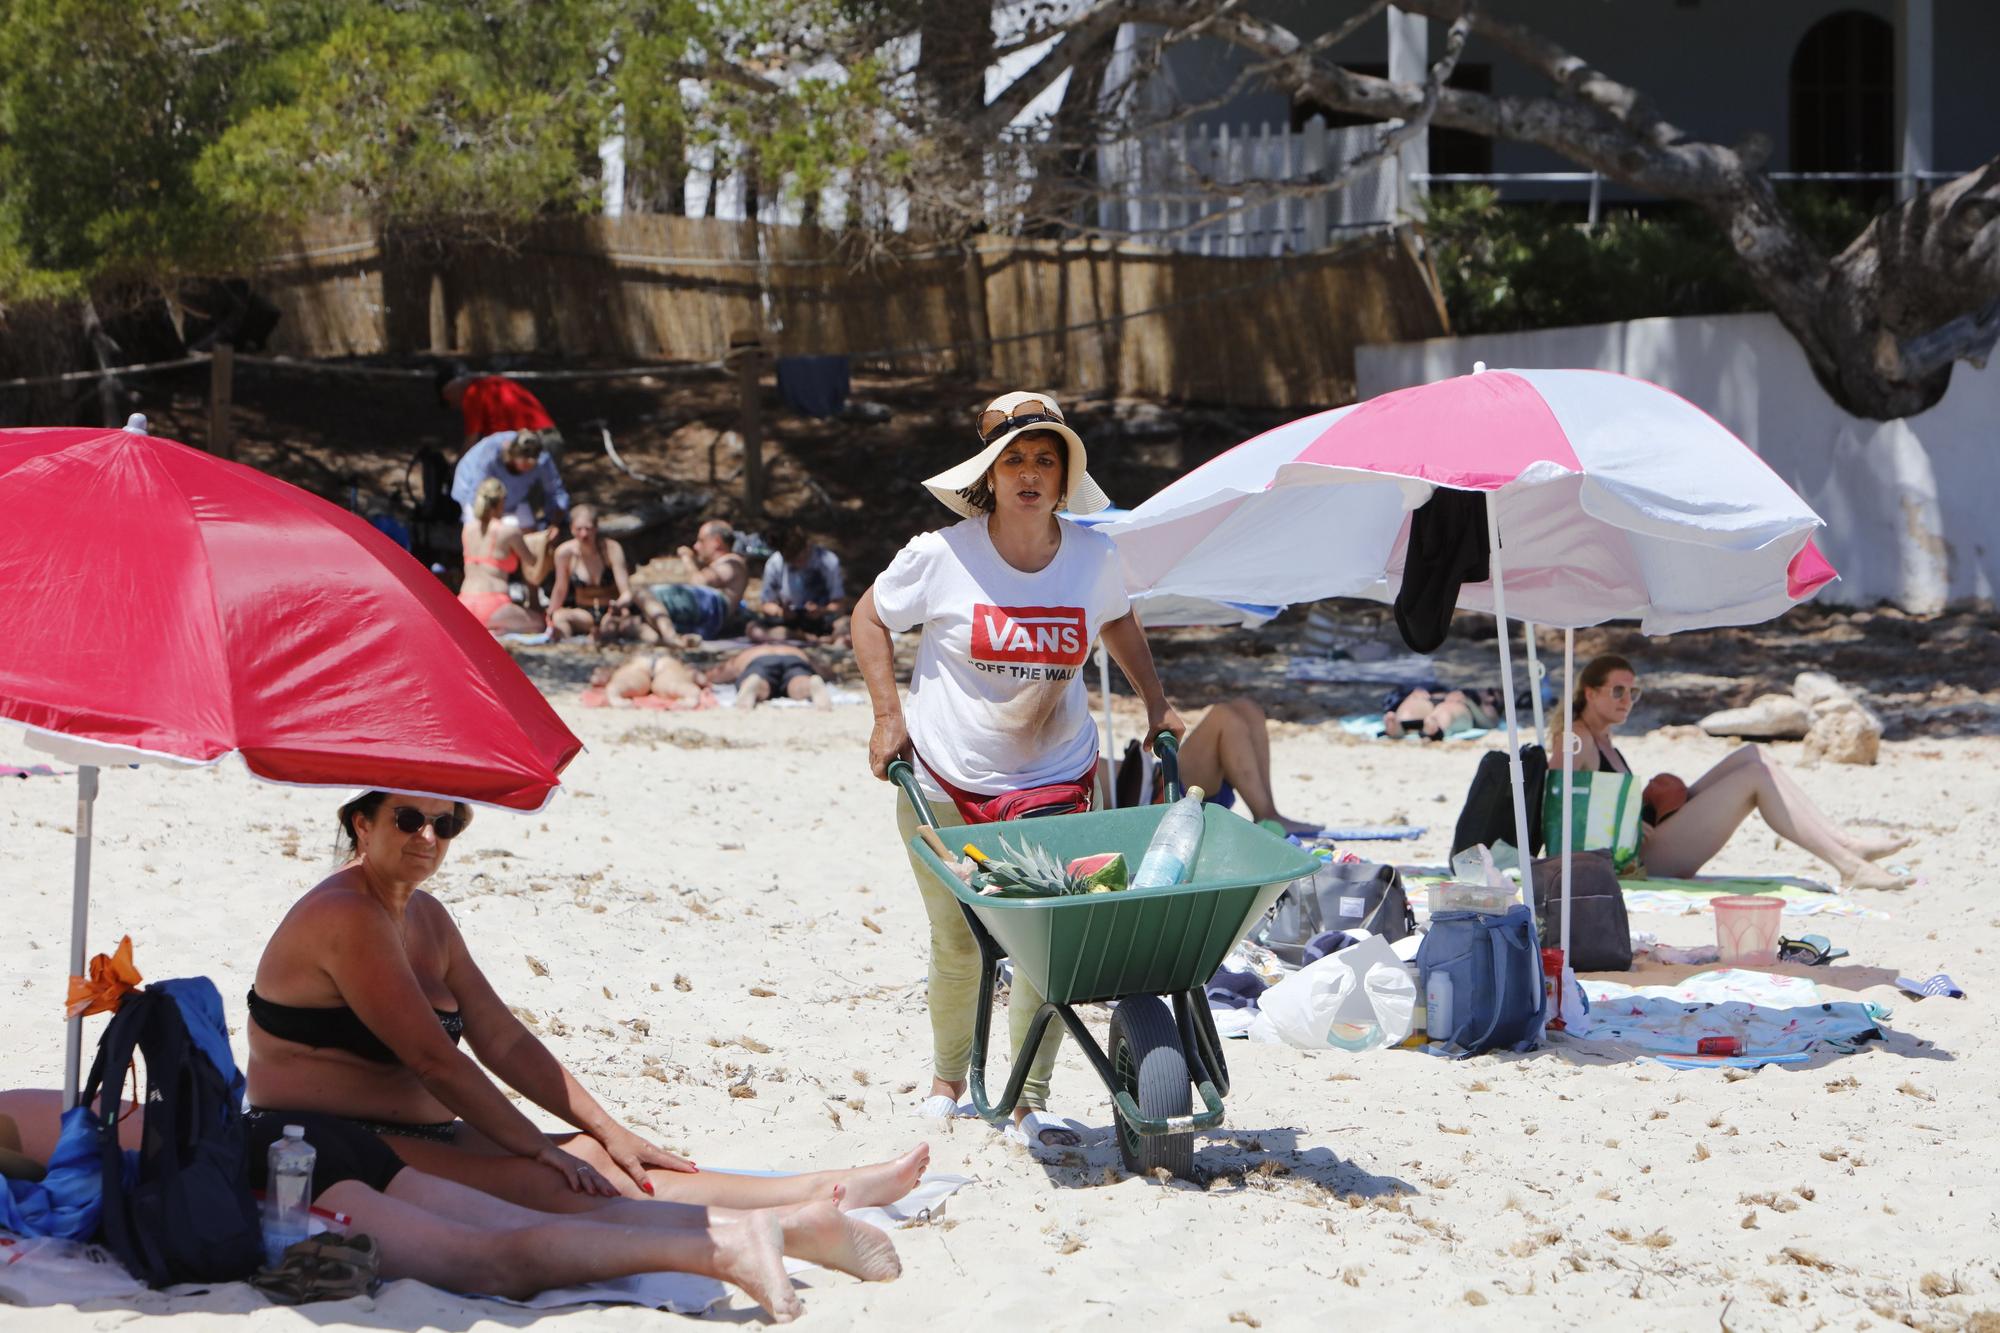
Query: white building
[(1847, 86)]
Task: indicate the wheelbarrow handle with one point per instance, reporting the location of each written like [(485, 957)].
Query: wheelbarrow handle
[(1169, 751), (904, 776)]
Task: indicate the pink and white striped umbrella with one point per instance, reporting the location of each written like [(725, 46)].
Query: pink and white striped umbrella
[(1614, 499)]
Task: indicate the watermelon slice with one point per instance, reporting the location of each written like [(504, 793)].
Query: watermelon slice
[(1103, 873)]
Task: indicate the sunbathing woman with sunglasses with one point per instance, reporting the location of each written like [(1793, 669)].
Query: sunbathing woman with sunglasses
[(362, 997), (1692, 822)]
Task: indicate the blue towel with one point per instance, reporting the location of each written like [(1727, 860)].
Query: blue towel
[(815, 386)]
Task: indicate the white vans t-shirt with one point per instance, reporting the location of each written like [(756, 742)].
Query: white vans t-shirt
[(997, 700)]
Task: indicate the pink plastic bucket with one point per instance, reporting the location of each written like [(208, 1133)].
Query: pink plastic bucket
[(1746, 928)]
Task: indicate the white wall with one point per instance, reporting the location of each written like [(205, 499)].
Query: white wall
[(1912, 506)]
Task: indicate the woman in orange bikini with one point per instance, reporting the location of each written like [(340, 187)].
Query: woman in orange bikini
[(493, 551)]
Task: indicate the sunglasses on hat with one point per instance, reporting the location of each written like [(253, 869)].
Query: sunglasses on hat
[(995, 422), (411, 820)]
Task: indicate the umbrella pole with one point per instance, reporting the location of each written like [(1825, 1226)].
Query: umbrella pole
[(1507, 693), (1535, 685), (79, 913), (1569, 772), (1110, 742)]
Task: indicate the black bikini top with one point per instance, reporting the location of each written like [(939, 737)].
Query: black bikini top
[(337, 1028)]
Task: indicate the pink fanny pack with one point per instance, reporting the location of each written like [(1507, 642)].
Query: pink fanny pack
[(1057, 798)]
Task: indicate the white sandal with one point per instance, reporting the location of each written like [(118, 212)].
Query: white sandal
[(939, 1106), (1029, 1129)]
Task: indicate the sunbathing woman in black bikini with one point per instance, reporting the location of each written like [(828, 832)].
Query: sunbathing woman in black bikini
[(361, 999)]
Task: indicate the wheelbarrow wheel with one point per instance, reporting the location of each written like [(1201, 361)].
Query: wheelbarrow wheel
[(1147, 1058)]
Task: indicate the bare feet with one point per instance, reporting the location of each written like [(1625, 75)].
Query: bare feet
[(1392, 726), (1876, 848), (750, 1253), (886, 1182), (822, 1234), (751, 692), (817, 691), (1298, 826), (1871, 876)]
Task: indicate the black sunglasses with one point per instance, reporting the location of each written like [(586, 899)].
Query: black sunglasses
[(409, 819)]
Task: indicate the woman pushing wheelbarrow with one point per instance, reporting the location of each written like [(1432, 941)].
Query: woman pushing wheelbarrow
[(1010, 603)]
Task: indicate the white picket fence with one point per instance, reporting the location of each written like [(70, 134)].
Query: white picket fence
[(1161, 188)]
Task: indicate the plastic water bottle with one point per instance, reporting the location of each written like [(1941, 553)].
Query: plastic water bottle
[(287, 1194), (1170, 855), (1437, 1006)]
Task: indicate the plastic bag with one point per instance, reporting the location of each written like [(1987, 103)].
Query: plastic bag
[(1357, 999)]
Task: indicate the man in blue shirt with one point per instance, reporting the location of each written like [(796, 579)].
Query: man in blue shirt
[(803, 588), (520, 460)]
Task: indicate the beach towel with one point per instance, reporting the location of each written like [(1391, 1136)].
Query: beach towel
[(31, 771), (1369, 726), (1362, 833), (596, 698), (1802, 897), (1770, 1016)]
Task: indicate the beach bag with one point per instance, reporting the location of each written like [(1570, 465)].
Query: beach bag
[(180, 1208), (1604, 816), (1340, 895), (1600, 933), (1494, 962), (1488, 814)]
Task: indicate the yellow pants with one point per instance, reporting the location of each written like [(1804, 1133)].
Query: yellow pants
[(954, 980)]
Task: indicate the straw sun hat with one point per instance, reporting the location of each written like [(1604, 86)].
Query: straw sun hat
[(1005, 417)]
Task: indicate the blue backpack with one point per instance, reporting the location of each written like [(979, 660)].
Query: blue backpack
[(1494, 962), (180, 1208)]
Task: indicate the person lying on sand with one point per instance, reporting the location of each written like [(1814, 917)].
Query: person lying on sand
[(655, 672), (456, 1238), (1442, 714), (1687, 835), (773, 671), (360, 1001)]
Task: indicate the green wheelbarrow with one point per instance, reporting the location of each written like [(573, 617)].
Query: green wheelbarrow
[(1129, 948)]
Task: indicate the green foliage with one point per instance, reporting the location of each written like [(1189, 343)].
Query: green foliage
[(143, 140), (1531, 266)]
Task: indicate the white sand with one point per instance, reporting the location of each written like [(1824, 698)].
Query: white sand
[(1387, 1188)]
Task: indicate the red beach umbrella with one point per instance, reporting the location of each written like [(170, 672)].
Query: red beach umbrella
[(189, 609)]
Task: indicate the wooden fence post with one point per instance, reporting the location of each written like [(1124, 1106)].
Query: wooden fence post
[(221, 395), (980, 359), (746, 350)]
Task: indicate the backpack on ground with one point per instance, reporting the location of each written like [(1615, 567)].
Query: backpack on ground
[(1488, 814), (180, 1208), (1495, 965), (1600, 932), (1340, 895)]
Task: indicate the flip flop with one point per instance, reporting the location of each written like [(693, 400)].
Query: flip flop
[(1028, 1131), (326, 1267), (1812, 950), (939, 1106)]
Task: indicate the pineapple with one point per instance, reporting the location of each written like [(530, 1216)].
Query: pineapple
[(1029, 871)]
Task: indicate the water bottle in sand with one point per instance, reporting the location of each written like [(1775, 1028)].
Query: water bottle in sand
[(1170, 855), (287, 1194)]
